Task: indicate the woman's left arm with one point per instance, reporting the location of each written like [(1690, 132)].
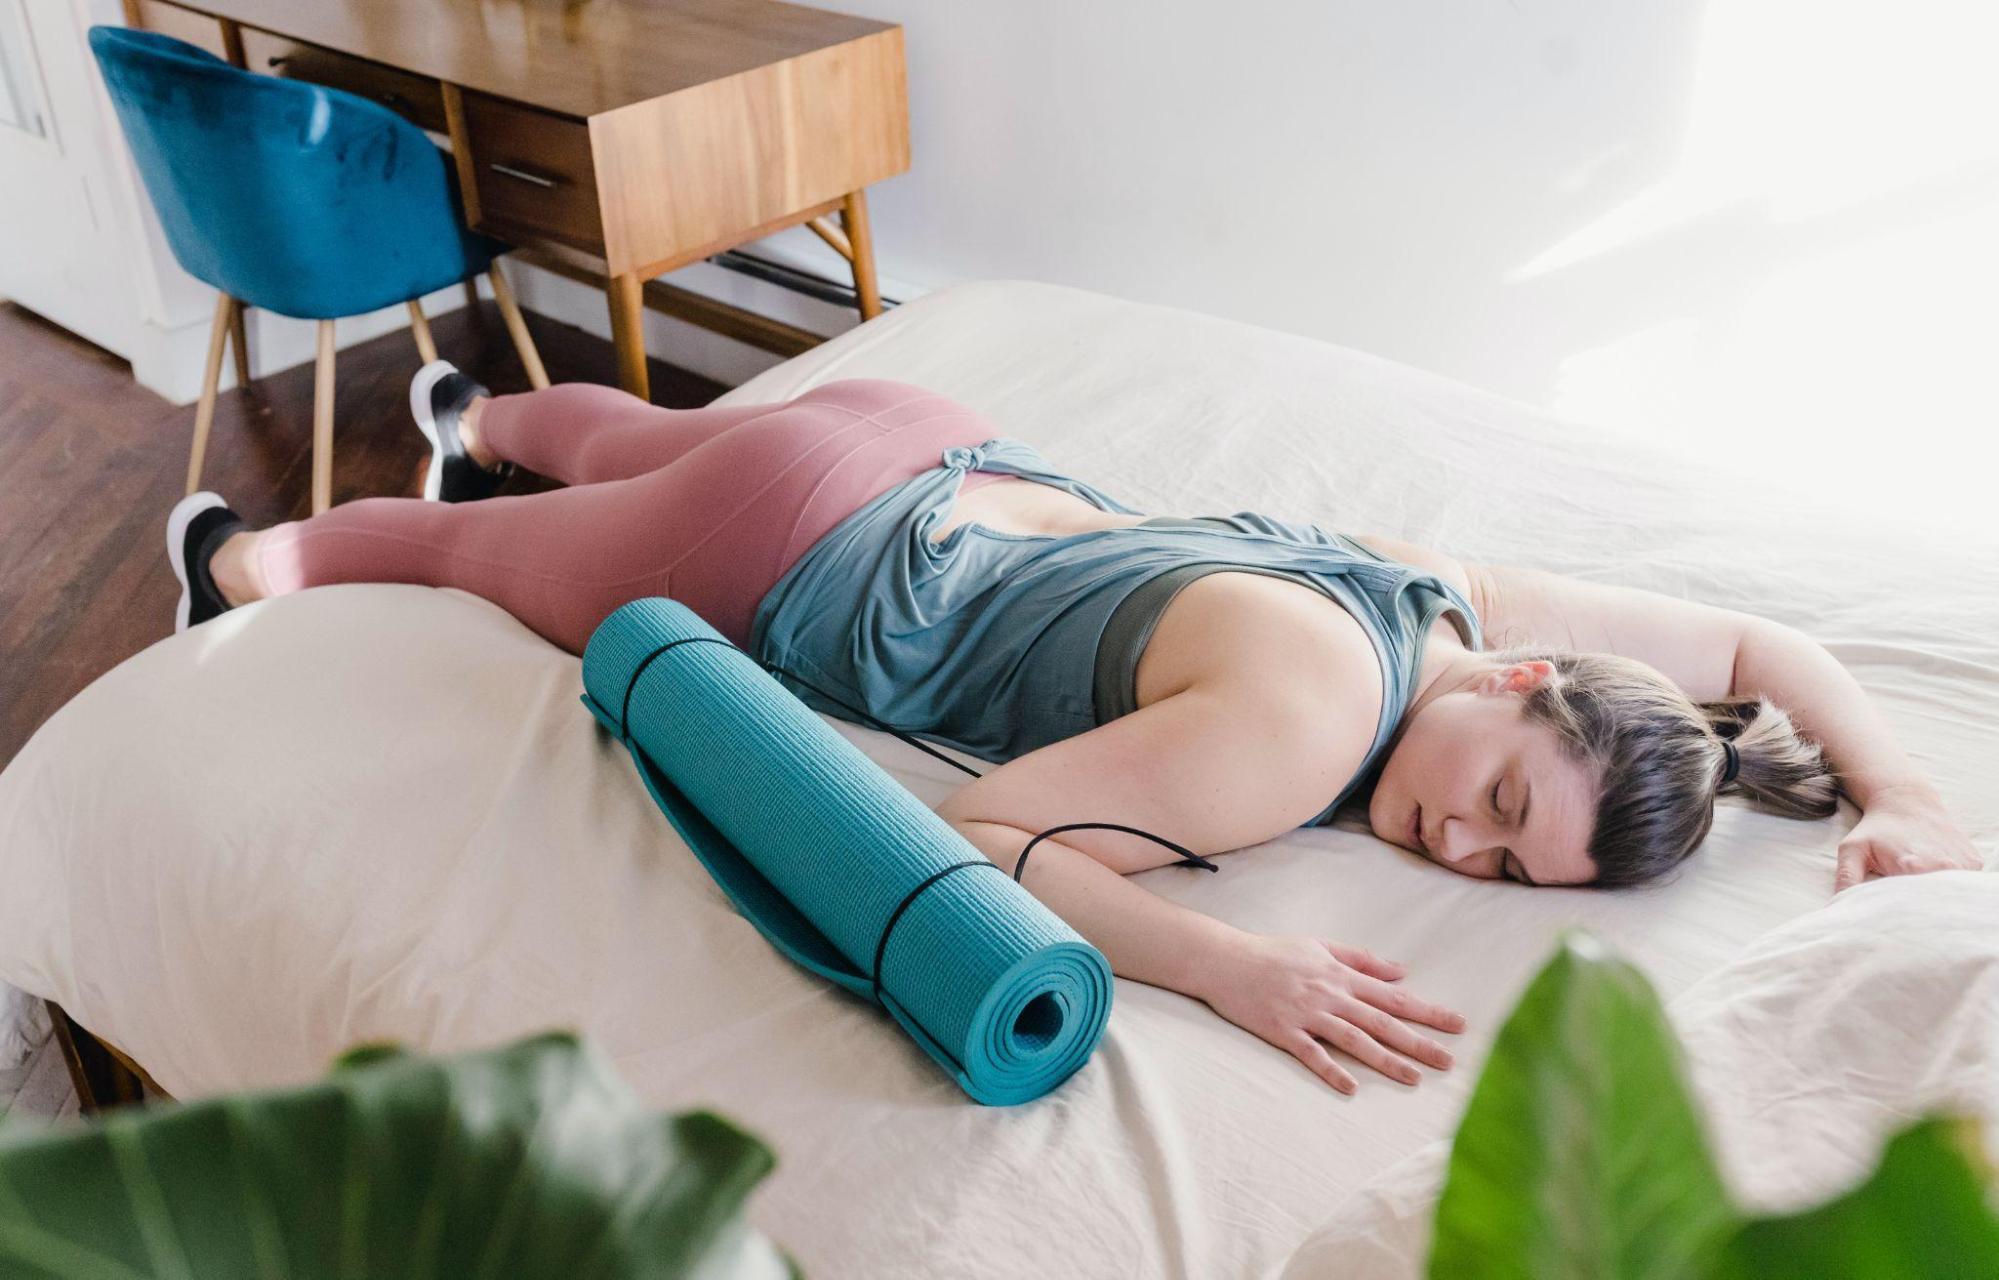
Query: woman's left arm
[(1904, 825), (1712, 653)]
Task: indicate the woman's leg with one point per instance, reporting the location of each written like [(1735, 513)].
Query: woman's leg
[(581, 433), (714, 528)]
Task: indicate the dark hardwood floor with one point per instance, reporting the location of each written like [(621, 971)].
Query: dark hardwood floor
[(90, 464)]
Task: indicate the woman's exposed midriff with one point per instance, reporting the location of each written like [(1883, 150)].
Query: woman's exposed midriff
[(1015, 504)]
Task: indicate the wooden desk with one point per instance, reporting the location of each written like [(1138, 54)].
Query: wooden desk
[(641, 134)]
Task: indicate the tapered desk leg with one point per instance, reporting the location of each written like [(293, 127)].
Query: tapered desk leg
[(628, 333), (322, 422), (854, 219), (211, 377)]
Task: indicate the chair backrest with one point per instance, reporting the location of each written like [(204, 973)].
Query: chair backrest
[(290, 196)]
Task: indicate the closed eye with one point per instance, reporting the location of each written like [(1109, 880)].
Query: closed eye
[(1505, 855), (1509, 863)]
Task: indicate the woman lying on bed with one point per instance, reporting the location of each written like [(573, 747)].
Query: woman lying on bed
[(1216, 680)]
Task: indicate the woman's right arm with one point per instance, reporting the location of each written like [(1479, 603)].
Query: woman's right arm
[(1215, 767)]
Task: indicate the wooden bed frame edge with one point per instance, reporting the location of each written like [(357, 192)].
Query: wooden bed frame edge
[(104, 1077)]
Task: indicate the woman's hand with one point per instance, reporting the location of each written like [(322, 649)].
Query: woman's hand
[(1900, 834), (1296, 991)]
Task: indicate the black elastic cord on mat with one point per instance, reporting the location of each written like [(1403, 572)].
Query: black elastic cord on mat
[(625, 712), (881, 943)]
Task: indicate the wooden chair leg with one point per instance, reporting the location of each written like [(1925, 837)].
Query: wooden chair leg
[(628, 335), (420, 330), (239, 343), (211, 377), (322, 421), (517, 328), (854, 219)]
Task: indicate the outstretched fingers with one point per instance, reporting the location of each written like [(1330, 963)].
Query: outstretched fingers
[(1399, 1002), (1357, 1043), (1365, 961), (1313, 1054), (1398, 1036)]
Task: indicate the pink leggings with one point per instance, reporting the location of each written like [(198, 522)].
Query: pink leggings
[(707, 506)]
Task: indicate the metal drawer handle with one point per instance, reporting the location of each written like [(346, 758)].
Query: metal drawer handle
[(524, 176)]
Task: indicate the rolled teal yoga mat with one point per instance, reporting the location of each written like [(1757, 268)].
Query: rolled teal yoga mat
[(839, 865)]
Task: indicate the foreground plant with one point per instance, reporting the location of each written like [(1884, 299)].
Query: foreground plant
[(531, 1160), (1581, 1155)]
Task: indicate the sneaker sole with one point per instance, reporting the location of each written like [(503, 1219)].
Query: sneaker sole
[(182, 516), (420, 387)]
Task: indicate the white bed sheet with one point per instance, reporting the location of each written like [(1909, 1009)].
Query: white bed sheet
[(1805, 1054), (379, 811)]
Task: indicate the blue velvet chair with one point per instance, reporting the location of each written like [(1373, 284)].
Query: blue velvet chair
[(308, 201)]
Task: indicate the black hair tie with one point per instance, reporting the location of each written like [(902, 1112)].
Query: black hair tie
[(1734, 765)]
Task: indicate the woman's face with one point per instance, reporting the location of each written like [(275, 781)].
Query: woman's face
[(1473, 784)]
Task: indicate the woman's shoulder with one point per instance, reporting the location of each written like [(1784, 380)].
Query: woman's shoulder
[(1265, 636), (1447, 567)]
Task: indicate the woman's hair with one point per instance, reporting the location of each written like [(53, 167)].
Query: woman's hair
[(1659, 758)]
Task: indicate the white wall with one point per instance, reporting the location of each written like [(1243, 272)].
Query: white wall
[(1763, 226)]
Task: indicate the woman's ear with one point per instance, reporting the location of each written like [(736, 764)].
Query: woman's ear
[(1519, 677)]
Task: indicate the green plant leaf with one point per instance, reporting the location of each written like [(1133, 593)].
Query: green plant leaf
[(362, 1055), (1923, 1215), (531, 1160), (1580, 1154)]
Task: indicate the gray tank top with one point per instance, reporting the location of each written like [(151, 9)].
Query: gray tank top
[(1000, 643)]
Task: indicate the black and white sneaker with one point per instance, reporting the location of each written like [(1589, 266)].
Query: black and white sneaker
[(197, 526), (438, 394)]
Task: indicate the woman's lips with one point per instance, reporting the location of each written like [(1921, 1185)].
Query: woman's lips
[(1416, 829)]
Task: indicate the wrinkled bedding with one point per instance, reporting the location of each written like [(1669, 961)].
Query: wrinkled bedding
[(1822, 1040), (379, 811)]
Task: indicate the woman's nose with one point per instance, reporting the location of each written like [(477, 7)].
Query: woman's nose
[(1461, 840)]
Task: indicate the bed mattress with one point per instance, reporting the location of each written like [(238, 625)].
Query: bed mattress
[(380, 811)]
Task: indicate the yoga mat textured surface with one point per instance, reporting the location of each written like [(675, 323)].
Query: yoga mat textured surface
[(819, 847)]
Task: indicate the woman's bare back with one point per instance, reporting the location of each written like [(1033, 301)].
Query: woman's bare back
[(1019, 505)]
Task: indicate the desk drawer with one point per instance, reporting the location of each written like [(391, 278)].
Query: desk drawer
[(534, 171), (413, 97), (181, 24)]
